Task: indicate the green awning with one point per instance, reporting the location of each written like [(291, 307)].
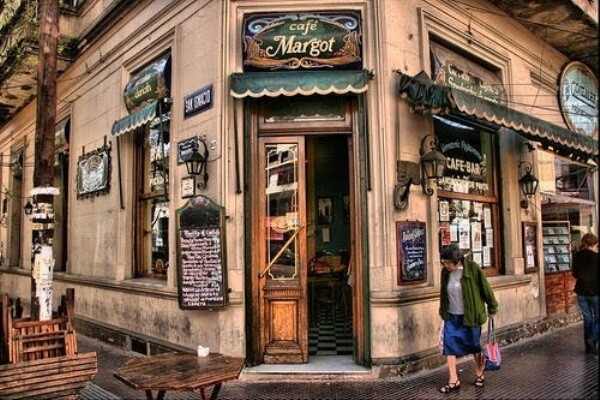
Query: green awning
[(135, 120), (291, 83), (426, 96)]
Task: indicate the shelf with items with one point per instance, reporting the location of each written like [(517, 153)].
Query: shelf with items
[(556, 239)]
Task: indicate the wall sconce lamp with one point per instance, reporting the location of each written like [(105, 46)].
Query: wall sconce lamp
[(433, 163), (528, 182), (196, 164), (28, 207)]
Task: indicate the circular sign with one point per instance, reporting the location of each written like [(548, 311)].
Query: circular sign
[(579, 98)]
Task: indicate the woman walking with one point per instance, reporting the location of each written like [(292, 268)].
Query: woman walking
[(464, 294)]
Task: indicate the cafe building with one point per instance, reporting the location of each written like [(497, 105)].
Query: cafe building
[(275, 180)]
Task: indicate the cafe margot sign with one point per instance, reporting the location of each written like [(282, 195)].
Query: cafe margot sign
[(302, 41), (579, 98)]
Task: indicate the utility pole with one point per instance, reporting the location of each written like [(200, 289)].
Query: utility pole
[(43, 192)]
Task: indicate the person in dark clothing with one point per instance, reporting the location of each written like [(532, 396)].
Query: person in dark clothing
[(587, 288), (466, 299)]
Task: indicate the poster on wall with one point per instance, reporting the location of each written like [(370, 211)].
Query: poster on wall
[(529, 231), (411, 247)]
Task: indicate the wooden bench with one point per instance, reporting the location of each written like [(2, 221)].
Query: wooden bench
[(55, 377), (42, 355)]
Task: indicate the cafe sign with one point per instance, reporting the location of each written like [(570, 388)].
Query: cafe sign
[(150, 84), (302, 41), (453, 70), (579, 99)]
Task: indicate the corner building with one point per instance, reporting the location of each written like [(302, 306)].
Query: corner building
[(312, 212)]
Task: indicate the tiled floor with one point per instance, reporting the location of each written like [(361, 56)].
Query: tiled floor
[(329, 337)]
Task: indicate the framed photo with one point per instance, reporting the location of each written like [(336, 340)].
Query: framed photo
[(325, 215), (529, 230), (93, 173), (188, 186)]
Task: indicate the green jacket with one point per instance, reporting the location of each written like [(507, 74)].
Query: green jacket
[(476, 294)]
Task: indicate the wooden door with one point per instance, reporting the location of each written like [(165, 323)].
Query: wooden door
[(281, 249)]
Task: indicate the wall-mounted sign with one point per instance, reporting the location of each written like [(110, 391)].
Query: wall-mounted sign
[(451, 69), (578, 95), (188, 186), (201, 259), (93, 173), (198, 101), (411, 245), (185, 148), (150, 84), (302, 41)]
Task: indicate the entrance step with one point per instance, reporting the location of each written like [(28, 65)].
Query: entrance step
[(322, 368)]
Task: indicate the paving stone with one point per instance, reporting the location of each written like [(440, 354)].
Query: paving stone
[(549, 366)]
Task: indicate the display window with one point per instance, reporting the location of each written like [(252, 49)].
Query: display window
[(467, 193)]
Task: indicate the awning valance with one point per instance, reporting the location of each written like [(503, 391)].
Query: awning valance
[(426, 96), (291, 83), (135, 120)]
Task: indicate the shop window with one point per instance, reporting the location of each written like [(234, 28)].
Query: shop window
[(15, 214), (467, 197), (153, 200)]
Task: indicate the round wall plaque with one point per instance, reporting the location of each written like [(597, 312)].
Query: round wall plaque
[(578, 97)]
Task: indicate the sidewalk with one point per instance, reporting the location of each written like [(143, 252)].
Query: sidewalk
[(550, 366)]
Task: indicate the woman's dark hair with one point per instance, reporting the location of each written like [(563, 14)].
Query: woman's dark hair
[(452, 253), (588, 240)]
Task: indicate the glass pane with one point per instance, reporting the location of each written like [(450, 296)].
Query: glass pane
[(469, 224), (305, 108), (157, 219), (282, 223), (469, 159), (156, 157)]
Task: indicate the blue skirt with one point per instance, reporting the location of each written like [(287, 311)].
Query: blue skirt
[(460, 340)]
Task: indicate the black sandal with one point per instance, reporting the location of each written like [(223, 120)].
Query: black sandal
[(479, 381), (450, 387)]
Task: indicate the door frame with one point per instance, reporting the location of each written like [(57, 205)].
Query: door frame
[(352, 127)]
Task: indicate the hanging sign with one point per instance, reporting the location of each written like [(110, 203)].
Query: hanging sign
[(302, 41), (578, 94), (150, 84)]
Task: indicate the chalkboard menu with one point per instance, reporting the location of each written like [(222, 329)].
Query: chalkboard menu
[(201, 262), (412, 251)]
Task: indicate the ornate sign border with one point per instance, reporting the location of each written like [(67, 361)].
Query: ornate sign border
[(94, 170)]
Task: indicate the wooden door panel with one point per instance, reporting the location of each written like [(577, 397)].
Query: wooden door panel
[(284, 320)]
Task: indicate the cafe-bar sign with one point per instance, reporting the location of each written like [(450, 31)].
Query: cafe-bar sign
[(302, 41)]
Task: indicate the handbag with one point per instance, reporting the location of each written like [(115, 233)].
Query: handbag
[(491, 350)]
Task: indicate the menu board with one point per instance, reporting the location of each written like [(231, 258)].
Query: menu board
[(201, 264), (412, 251)]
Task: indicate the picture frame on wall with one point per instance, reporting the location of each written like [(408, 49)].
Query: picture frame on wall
[(529, 232), (325, 209), (93, 173)]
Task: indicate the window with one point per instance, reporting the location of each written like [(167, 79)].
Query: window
[(467, 196), (153, 199)]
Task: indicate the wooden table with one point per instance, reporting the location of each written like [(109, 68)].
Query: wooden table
[(180, 372)]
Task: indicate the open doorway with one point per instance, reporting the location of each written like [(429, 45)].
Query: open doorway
[(328, 242)]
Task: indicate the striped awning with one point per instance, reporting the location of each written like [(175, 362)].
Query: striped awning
[(426, 96), (135, 120), (291, 83)]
